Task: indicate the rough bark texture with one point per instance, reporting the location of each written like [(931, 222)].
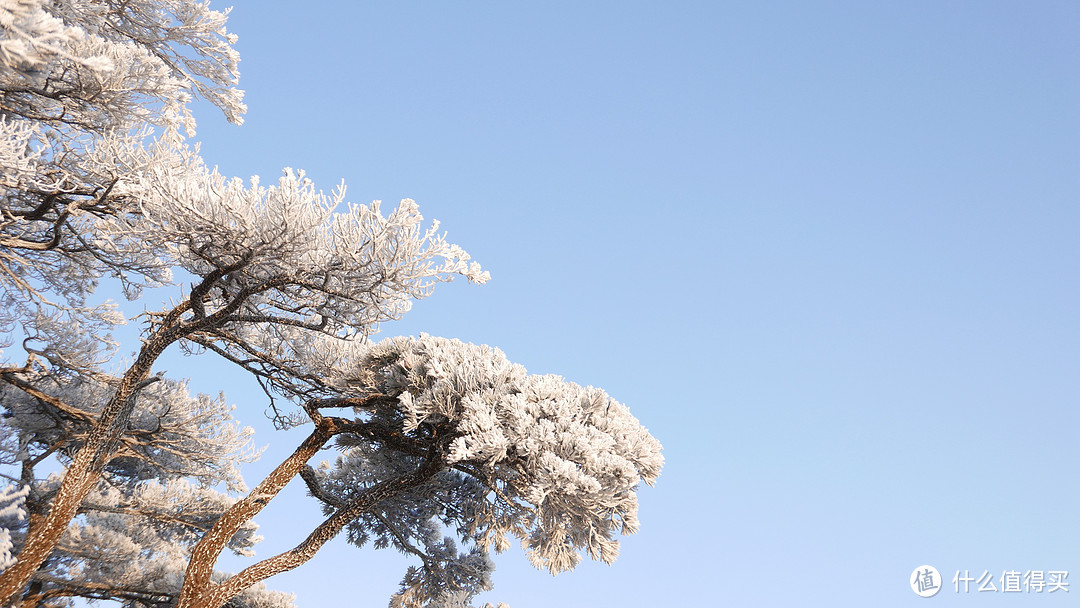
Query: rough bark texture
[(198, 590), (217, 595), (205, 554), (84, 472), (101, 443)]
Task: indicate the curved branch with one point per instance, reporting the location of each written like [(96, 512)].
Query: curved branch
[(364, 502), (205, 554)]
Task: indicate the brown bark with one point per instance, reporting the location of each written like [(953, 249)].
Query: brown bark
[(62, 588), (100, 445), (33, 596), (205, 554), (216, 596), (84, 471), (197, 585)]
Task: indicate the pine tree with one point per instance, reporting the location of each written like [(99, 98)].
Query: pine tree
[(448, 448)]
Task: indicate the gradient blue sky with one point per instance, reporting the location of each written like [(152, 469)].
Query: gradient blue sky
[(826, 251)]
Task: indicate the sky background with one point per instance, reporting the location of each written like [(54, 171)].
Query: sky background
[(827, 253)]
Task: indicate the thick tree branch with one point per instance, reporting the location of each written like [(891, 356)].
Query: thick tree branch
[(205, 554), (364, 502)]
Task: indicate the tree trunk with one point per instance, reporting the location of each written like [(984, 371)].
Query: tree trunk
[(84, 472), (85, 469)]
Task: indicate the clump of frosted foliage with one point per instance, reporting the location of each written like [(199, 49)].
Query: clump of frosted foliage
[(32, 36), (559, 463), (114, 548), (288, 234), (119, 64), (11, 512)]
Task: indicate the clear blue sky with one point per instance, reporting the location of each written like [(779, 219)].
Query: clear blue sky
[(827, 252)]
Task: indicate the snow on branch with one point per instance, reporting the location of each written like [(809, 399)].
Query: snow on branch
[(117, 63), (533, 456), (290, 285)]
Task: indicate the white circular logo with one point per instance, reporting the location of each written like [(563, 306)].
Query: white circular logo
[(925, 581)]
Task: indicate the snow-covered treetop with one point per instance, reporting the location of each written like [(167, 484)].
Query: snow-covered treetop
[(285, 272), (351, 269), (533, 456)]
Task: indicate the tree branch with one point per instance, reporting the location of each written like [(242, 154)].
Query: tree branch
[(205, 554), (364, 502)]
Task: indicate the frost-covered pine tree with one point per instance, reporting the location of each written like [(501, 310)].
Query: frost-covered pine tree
[(450, 440), (449, 449)]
